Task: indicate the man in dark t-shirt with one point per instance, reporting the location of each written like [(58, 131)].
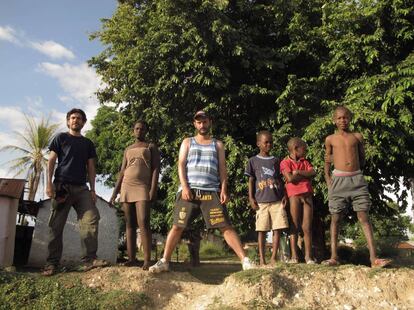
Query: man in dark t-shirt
[(75, 157)]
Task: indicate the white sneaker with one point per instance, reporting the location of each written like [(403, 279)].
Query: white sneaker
[(160, 266), (247, 264)]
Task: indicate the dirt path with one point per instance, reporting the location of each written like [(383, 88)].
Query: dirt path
[(221, 286)]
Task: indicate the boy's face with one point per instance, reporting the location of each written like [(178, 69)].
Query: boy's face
[(75, 122), (265, 143), (301, 150), (342, 119), (202, 125), (139, 131)]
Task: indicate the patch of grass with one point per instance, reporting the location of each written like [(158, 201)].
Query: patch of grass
[(217, 305), (22, 291), (252, 276), (210, 249), (260, 304), (214, 273)]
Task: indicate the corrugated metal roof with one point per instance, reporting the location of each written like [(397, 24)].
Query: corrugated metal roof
[(12, 187), (406, 245)]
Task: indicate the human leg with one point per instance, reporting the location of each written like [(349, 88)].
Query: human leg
[(56, 225), (307, 226), (143, 218), (295, 209), (130, 230), (261, 236), (275, 245), (232, 239), (172, 239), (335, 222), (369, 236)]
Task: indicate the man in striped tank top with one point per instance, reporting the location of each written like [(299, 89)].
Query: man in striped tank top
[(203, 189)]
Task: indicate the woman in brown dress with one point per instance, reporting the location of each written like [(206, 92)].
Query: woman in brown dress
[(137, 182)]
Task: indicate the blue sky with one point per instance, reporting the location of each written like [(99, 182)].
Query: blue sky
[(44, 46)]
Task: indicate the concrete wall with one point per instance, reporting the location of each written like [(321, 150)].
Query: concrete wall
[(8, 211), (107, 238)]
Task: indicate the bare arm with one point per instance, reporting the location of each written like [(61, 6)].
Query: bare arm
[(307, 174), (92, 177), (327, 165), (182, 172), (361, 150), (118, 183), (252, 199), (50, 170), (155, 166), (222, 172), (290, 177)]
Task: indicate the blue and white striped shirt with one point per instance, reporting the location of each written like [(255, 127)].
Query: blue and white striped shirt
[(202, 166)]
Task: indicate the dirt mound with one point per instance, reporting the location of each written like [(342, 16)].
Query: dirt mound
[(289, 287)]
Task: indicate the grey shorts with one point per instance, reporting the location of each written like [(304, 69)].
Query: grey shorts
[(205, 202), (346, 191)]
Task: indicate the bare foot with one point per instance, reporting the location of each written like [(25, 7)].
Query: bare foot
[(146, 265), (273, 261)]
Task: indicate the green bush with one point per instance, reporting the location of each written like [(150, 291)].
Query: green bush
[(210, 249)]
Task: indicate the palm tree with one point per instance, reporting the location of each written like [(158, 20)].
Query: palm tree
[(35, 140)]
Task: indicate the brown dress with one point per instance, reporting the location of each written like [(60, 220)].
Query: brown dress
[(136, 183)]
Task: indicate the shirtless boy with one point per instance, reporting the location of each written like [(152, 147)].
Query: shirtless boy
[(346, 185)]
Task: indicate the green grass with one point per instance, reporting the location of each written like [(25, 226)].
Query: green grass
[(27, 291)]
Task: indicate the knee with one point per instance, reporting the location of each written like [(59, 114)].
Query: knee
[(227, 229), (363, 219), (144, 224), (176, 229), (90, 217)]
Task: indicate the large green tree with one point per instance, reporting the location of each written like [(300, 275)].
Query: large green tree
[(280, 65), (34, 140)]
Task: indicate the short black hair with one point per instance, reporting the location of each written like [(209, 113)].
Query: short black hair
[(342, 108), (140, 121), (263, 133), (75, 110), (295, 142)]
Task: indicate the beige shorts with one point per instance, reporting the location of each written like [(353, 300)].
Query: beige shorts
[(271, 216)]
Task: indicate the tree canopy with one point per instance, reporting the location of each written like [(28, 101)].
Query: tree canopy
[(281, 65)]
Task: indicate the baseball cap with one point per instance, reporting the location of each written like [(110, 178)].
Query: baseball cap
[(201, 114)]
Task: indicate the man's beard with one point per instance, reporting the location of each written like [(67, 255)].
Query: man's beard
[(204, 132)]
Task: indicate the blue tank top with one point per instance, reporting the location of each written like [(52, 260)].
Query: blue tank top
[(202, 166)]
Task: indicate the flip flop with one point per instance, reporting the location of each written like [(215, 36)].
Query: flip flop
[(331, 262), (381, 262)]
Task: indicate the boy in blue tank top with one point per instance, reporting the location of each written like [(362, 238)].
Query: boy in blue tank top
[(203, 189)]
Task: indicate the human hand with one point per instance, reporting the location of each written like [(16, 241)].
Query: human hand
[(295, 172), (50, 191), (223, 197), (152, 195), (253, 204), (112, 200), (284, 202), (187, 194)]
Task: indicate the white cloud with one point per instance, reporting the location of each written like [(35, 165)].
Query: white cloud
[(8, 34), (80, 82), (52, 49)]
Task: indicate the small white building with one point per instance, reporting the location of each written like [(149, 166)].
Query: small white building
[(107, 236), (11, 190)]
